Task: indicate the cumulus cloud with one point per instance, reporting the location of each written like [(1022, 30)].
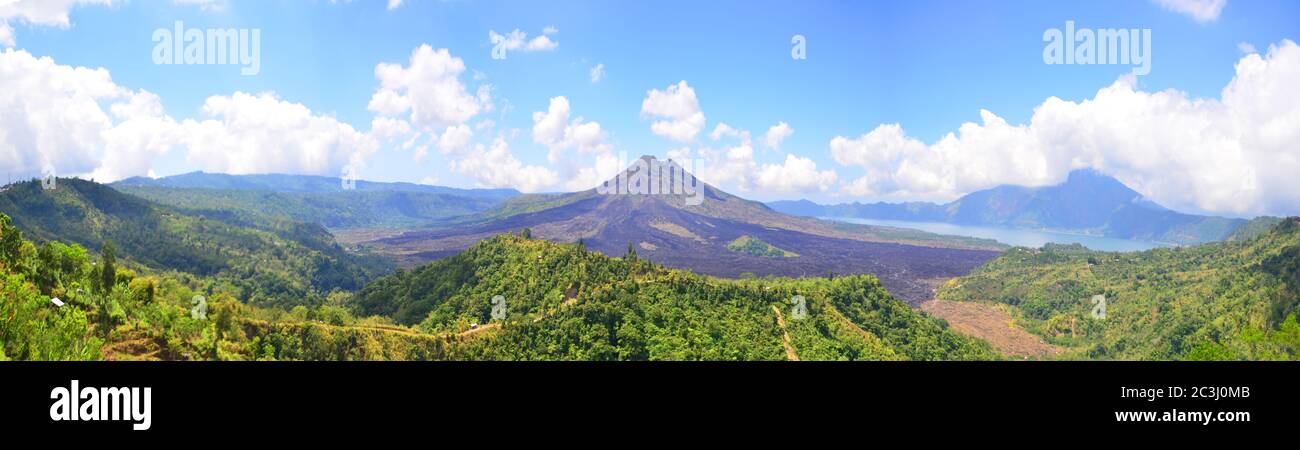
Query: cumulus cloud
[(1236, 155), (554, 129), (678, 111), (1199, 10), (496, 166), (248, 133), (735, 166), (429, 88), (37, 13), (75, 119), (560, 133), (795, 175), (80, 122), (724, 130), (776, 134)]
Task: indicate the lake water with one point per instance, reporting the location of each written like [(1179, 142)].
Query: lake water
[(1012, 236)]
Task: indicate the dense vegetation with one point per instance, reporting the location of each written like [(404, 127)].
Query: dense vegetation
[(564, 302), (279, 263), (752, 246), (558, 302), (1229, 300)]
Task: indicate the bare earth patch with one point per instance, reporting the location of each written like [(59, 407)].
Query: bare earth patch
[(993, 325)]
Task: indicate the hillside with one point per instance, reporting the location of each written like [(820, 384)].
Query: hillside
[(286, 263), (1228, 300), (560, 303), (565, 302), (672, 230), (1087, 202)]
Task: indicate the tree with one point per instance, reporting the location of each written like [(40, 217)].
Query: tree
[(631, 252), (108, 273), (527, 233), (11, 240)]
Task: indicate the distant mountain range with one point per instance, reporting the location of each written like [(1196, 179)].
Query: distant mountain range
[(253, 200), (1088, 202), (301, 183), (722, 235)]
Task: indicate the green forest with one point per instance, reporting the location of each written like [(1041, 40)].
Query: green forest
[(1234, 300), (556, 302)]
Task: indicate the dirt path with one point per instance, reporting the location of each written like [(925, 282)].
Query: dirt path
[(481, 328), (790, 354), (993, 325)]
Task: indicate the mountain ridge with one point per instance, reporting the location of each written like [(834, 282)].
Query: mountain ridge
[(1087, 202), (671, 230)]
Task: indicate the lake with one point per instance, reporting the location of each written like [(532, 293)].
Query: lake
[(1012, 236)]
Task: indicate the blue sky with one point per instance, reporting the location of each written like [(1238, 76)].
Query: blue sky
[(927, 66)]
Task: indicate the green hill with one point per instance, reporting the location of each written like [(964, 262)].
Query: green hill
[(1228, 300), (561, 302), (285, 263), (750, 245), (564, 302)]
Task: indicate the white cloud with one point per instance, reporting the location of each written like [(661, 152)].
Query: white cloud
[(429, 88), (496, 166), (1234, 155), (75, 119), (394, 4), (560, 133), (1246, 48), (597, 72), (557, 132), (387, 128), (264, 134), (79, 121), (517, 40), (795, 175), (724, 130), (776, 134), (37, 13), (680, 110), (1199, 10), (455, 139)]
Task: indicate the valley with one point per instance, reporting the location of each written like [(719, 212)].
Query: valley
[(590, 276)]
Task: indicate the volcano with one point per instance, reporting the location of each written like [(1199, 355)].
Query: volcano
[(670, 217)]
